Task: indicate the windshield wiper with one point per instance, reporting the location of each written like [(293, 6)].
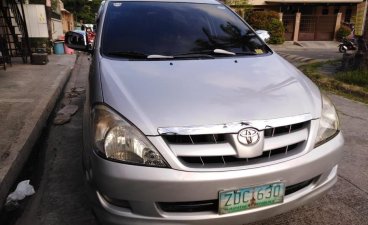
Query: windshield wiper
[(211, 53), (128, 54), (222, 51), (225, 52), (205, 53), (200, 54), (246, 53), (160, 57), (138, 55)]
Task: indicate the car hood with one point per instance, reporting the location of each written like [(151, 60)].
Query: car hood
[(153, 94)]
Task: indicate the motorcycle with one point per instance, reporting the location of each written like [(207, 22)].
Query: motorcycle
[(347, 45)]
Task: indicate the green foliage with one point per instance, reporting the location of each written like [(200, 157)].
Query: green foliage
[(248, 11), (267, 20), (83, 9), (241, 7), (54, 5), (349, 87), (259, 20), (236, 2), (342, 32), (357, 77), (276, 30)]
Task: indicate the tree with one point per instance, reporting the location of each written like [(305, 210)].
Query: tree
[(242, 7), (268, 20), (83, 9)]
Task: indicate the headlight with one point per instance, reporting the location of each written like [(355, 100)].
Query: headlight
[(116, 139), (329, 125)]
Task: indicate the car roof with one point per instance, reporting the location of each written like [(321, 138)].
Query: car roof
[(103, 3), (188, 1)]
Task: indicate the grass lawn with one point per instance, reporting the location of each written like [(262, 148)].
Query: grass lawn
[(356, 77), (350, 84)]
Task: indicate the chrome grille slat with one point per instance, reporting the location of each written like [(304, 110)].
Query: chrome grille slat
[(234, 127), (201, 160), (190, 137), (203, 149), (214, 138), (223, 160), (284, 140), (220, 161)]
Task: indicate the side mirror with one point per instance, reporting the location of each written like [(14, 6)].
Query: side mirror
[(76, 41), (263, 34)]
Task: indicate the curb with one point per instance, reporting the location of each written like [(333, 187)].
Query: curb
[(299, 59), (29, 134)]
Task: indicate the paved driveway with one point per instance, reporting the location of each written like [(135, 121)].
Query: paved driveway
[(347, 202), (312, 50)]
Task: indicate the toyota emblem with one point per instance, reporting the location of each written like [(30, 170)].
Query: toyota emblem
[(248, 136)]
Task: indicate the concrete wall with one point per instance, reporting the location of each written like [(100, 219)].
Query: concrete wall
[(36, 20), (67, 20), (57, 28)]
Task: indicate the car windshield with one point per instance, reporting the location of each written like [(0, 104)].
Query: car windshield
[(168, 30)]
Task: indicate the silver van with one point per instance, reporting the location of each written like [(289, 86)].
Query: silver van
[(190, 118)]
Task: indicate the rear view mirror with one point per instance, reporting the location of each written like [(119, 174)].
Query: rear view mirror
[(76, 41)]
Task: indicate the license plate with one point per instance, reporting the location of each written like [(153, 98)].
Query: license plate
[(251, 197)]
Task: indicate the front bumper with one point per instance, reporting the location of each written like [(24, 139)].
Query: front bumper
[(144, 187)]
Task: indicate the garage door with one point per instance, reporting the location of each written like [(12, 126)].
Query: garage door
[(289, 24), (317, 28)]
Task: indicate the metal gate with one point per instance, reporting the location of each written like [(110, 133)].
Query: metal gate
[(289, 25), (317, 28)]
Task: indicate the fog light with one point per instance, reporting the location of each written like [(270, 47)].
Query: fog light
[(117, 202)]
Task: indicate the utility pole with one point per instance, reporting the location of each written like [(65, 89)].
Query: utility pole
[(365, 33), (48, 18)]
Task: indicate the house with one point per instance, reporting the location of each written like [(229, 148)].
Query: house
[(310, 20), (14, 41), (61, 19), (67, 19), (26, 27)]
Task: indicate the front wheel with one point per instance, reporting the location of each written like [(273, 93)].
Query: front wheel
[(342, 48)]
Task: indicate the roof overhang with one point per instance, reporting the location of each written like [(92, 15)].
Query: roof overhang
[(313, 1)]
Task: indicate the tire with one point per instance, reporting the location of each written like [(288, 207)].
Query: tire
[(342, 48)]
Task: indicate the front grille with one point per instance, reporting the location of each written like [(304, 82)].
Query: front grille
[(218, 150), (212, 205), (270, 132), (296, 187), (195, 139), (218, 161), (199, 206), (220, 138)]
